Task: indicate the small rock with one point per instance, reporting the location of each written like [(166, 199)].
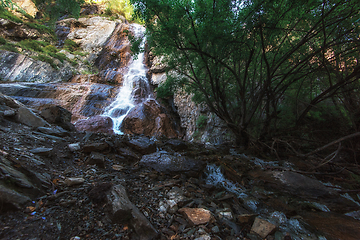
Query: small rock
[(117, 167), (74, 181), (262, 227), (95, 147), (96, 158), (58, 131), (9, 113), (215, 229), (246, 218), (74, 147), (143, 145), (204, 237), (196, 216), (41, 151)]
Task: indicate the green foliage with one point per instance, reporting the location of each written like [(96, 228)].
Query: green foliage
[(122, 7), (70, 45), (201, 121), (33, 45), (259, 65), (44, 58), (42, 28), (5, 14), (2, 41), (9, 47)]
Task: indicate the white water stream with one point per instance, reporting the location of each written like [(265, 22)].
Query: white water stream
[(135, 78)]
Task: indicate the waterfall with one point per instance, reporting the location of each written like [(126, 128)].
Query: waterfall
[(135, 87)]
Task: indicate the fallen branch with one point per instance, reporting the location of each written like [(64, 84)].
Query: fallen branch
[(329, 144)]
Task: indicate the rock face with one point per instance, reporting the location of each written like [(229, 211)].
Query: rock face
[(213, 130), (19, 68), (82, 100), (149, 118)]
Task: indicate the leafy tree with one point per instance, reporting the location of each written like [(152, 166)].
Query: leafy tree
[(254, 62)]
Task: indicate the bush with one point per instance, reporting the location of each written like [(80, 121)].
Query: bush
[(201, 121), (44, 58), (33, 45), (2, 41)]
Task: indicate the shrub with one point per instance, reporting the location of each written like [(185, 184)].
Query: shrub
[(201, 121), (2, 40)]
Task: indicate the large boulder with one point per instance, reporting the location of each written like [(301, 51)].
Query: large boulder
[(95, 124), (59, 116), (149, 118)]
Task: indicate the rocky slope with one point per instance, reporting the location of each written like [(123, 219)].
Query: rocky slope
[(56, 183)]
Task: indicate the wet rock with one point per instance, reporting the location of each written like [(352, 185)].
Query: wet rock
[(95, 147), (142, 145), (262, 227), (196, 216), (122, 210), (59, 116), (148, 118), (166, 162), (74, 181), (96, 124)]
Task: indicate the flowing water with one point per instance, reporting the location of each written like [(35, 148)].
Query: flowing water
[(135, 87)]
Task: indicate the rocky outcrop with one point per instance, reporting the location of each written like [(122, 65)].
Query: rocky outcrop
[(149, 118), (28, 6), (211, 130), (20, 68), (82, 100), (95, 124)]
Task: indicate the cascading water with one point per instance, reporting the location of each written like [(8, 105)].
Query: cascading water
[(135, 87)]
